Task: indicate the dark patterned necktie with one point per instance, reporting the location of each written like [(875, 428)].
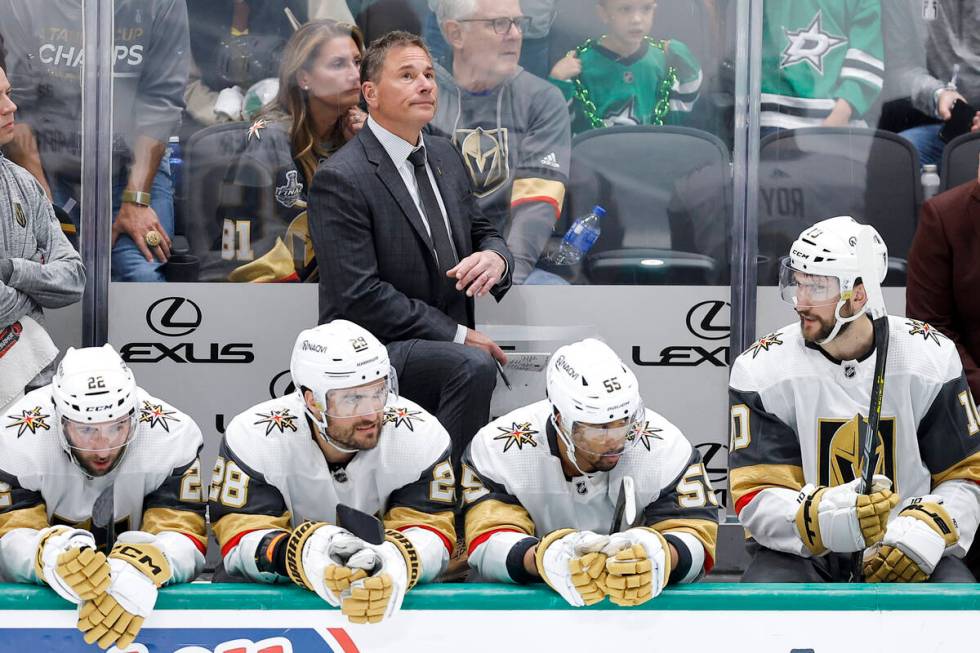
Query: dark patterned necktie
[(437, 224)]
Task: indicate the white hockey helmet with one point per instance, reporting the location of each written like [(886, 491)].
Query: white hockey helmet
[(827, 254), (336, 356), (588, 384), (92, 388)]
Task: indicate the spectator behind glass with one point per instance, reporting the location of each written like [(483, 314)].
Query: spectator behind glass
[(149, 76), (954, 40), (38, 268), (238, 43), (821, 62), (944, 272), (534, 52), (511, 127), (313, 115), (625, 77)]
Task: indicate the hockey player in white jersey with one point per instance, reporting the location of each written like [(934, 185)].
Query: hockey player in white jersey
[(344, 437), (797, 396), (540, 486), (93, 441)]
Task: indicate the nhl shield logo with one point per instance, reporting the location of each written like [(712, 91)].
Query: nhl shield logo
[(486, 153)]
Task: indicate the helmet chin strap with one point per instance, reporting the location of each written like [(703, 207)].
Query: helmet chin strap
[(841, 321), (569, 447), (321, 425)]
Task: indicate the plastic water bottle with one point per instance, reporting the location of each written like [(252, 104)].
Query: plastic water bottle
[(930, 180), (580, 237), (176, 161)]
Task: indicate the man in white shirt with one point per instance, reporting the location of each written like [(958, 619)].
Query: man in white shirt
[(403, 247)]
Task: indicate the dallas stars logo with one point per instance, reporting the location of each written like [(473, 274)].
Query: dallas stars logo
[(927, 331), (811, 45), (644, 433), (765, 342), (277, 419), (155, 415), (29, 420), (257, 127), (625, 115), (519, 434), (402, 417)]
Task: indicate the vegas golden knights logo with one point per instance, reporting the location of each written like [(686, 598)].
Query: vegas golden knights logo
[(838, 450), (486, 153)]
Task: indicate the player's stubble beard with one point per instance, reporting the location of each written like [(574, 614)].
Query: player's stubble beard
[(351, 437), (826, 326)]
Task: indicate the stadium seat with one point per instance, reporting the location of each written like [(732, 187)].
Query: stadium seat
[(635, 173), (210, 161), (806, 175), (960, 161)]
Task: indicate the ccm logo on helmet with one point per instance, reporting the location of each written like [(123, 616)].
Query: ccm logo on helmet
[(96, 409)]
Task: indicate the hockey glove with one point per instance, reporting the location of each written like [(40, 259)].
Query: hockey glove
[(840, 520), (317, 556), (67, 561), (393, 568), (638, 566), (573, 564), (139, 567), (914, 543)]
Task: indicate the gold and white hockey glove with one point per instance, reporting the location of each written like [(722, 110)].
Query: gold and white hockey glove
[(393, 568), (66, 559), (914, 543), (840, 520), (573, 564), (139, 567), (317, 556), (638, 566)]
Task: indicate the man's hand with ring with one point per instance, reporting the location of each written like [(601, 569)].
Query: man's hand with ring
[(141, 224), (478, 272)]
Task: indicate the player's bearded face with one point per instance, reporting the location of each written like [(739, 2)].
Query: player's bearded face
[(598, 448), (97, 447), (816, 322), (355, 414)]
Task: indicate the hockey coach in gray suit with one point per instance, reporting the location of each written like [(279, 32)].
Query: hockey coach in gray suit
[(403, 248)]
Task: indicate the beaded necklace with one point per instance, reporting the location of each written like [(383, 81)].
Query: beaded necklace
[(663, 97)]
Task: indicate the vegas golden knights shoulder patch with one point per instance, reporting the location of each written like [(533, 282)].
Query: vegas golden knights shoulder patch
[(19, 215)]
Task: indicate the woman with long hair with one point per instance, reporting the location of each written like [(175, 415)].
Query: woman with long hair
[(313, 114)]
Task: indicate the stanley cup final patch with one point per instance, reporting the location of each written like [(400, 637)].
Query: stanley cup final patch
[(486, 154), (290, 192)]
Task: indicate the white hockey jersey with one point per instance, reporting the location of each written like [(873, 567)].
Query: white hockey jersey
[(794, 420), (515, 492), (270, 475), (157, 484)]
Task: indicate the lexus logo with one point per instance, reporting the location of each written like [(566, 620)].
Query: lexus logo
[(281, 385), (173, 316), (710, 320)]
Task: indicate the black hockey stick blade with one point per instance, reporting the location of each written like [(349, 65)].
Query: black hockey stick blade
[(867, 264), (103, 515), (367, 527), (625, 506)]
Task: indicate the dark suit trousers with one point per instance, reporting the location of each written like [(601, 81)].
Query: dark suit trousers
[(453, 382)]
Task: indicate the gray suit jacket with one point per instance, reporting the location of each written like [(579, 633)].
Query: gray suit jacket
[(377, 267)]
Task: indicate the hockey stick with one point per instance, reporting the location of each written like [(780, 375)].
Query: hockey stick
[(367, 527), (625, 505), (104, 517), (867, 264)]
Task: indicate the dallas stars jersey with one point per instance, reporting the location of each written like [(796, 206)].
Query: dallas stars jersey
[(271, 475), (628, 90), (816, 51), (514, 488), (794, 420), (268, 239), (516, 146), (157, 484)]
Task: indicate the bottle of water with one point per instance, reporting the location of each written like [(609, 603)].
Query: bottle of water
[(930, 180), (580, 238), (176, 162)]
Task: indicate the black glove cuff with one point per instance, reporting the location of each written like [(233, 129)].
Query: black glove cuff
[(684, 560), (515, 561), (270, 554)]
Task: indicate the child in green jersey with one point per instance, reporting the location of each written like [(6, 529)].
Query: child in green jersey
[(625, 77)]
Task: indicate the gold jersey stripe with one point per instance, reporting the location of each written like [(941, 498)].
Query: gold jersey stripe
[(234, 523), (706, 531), (402, 517), (967, 469), (536, 189), (492, 515), (158, 520), (744, 480), (35, 517)]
